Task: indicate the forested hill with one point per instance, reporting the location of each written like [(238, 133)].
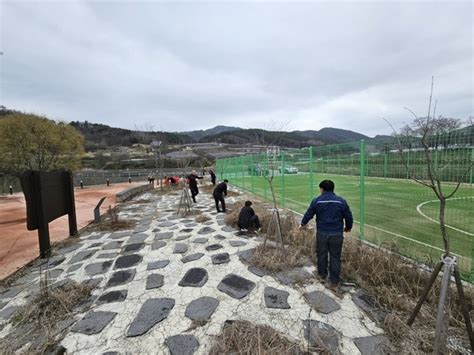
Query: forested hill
[(100, 136), (296, 139)]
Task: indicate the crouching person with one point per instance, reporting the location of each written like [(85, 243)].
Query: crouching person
[(248, 219)]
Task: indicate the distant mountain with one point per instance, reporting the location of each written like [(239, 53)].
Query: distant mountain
[(258, 136), (100, 136), (295, 139), (200, 134), (329, 135)]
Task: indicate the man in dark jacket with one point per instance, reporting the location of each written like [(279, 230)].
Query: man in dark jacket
[(213, 177), (247, 218), (219, 192), (331, 212), (193, 186)]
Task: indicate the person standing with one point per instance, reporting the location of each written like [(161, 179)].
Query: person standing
[(219, 192), (193, 186), (332, 212), (247, 218), (213, 177)]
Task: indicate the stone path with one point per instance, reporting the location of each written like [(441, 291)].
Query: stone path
[(154, 282)]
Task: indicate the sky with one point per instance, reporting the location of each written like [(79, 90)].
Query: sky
[(185, 65)]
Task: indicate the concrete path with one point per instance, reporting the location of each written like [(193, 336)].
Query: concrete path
[(169, 285)]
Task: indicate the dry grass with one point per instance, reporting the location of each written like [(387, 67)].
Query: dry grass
[(39, 321), (397, 284), (202, 218), (299, 245), (111, 222), (272, 259), (52, 304), (65, 242), (241, 337)]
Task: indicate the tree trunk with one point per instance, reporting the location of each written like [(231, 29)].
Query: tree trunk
[(442, 224)]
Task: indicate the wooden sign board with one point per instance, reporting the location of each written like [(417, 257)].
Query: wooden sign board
[(49, 195)]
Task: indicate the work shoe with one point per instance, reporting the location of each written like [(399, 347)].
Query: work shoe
[(322, 279)]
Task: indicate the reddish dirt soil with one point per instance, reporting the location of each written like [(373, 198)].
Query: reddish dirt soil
[(18, 246)]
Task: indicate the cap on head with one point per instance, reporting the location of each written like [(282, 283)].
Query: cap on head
[(248, 203), (226, 181), (327, 185)]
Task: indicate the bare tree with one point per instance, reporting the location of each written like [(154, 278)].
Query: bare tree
[(426, 131), (271, 142)]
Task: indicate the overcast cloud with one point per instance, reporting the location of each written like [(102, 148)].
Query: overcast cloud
[(193, 65)]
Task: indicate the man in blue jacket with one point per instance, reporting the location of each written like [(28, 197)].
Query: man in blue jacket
[(331, 213)]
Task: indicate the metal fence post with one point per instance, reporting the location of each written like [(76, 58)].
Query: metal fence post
[(472, 168), (472, 261), (265, 175), (385, 161), (242, 170), (362, 189), (282, 188), (408, 163), (251, 173), (311, 181)]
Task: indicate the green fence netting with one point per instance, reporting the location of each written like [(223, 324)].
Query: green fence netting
[(376, 179)]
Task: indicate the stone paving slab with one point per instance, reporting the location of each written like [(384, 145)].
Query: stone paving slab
[(160, 264), (195, 277), (152, 312), (236, 286), (182, 344), (372, 345), (192, 257), (93, 322), (275, 298), (202, 308), (112, 296), (321, 302)]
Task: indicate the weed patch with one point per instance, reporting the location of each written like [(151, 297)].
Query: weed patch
[(41, 323), (242, 337)]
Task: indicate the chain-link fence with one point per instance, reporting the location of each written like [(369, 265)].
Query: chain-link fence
[(377, 180), (100, 177)]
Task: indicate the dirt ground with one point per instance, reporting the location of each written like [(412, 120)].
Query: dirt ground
[(18, 246)]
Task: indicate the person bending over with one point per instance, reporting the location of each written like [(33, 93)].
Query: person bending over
[(193, 186), (219, 192)]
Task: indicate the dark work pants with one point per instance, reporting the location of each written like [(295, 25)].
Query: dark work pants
[(329, 245), (194, 192), (221, 200)]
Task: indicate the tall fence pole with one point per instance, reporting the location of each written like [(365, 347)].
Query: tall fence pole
[(311, 181), (282, 188), (472, 261), (242, 170), (252, 168), (264, 174), (472, 168), (362, 189)]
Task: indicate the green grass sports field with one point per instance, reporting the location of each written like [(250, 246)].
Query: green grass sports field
[(396, 211)]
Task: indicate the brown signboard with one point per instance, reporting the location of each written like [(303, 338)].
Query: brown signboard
[(49, 195)]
